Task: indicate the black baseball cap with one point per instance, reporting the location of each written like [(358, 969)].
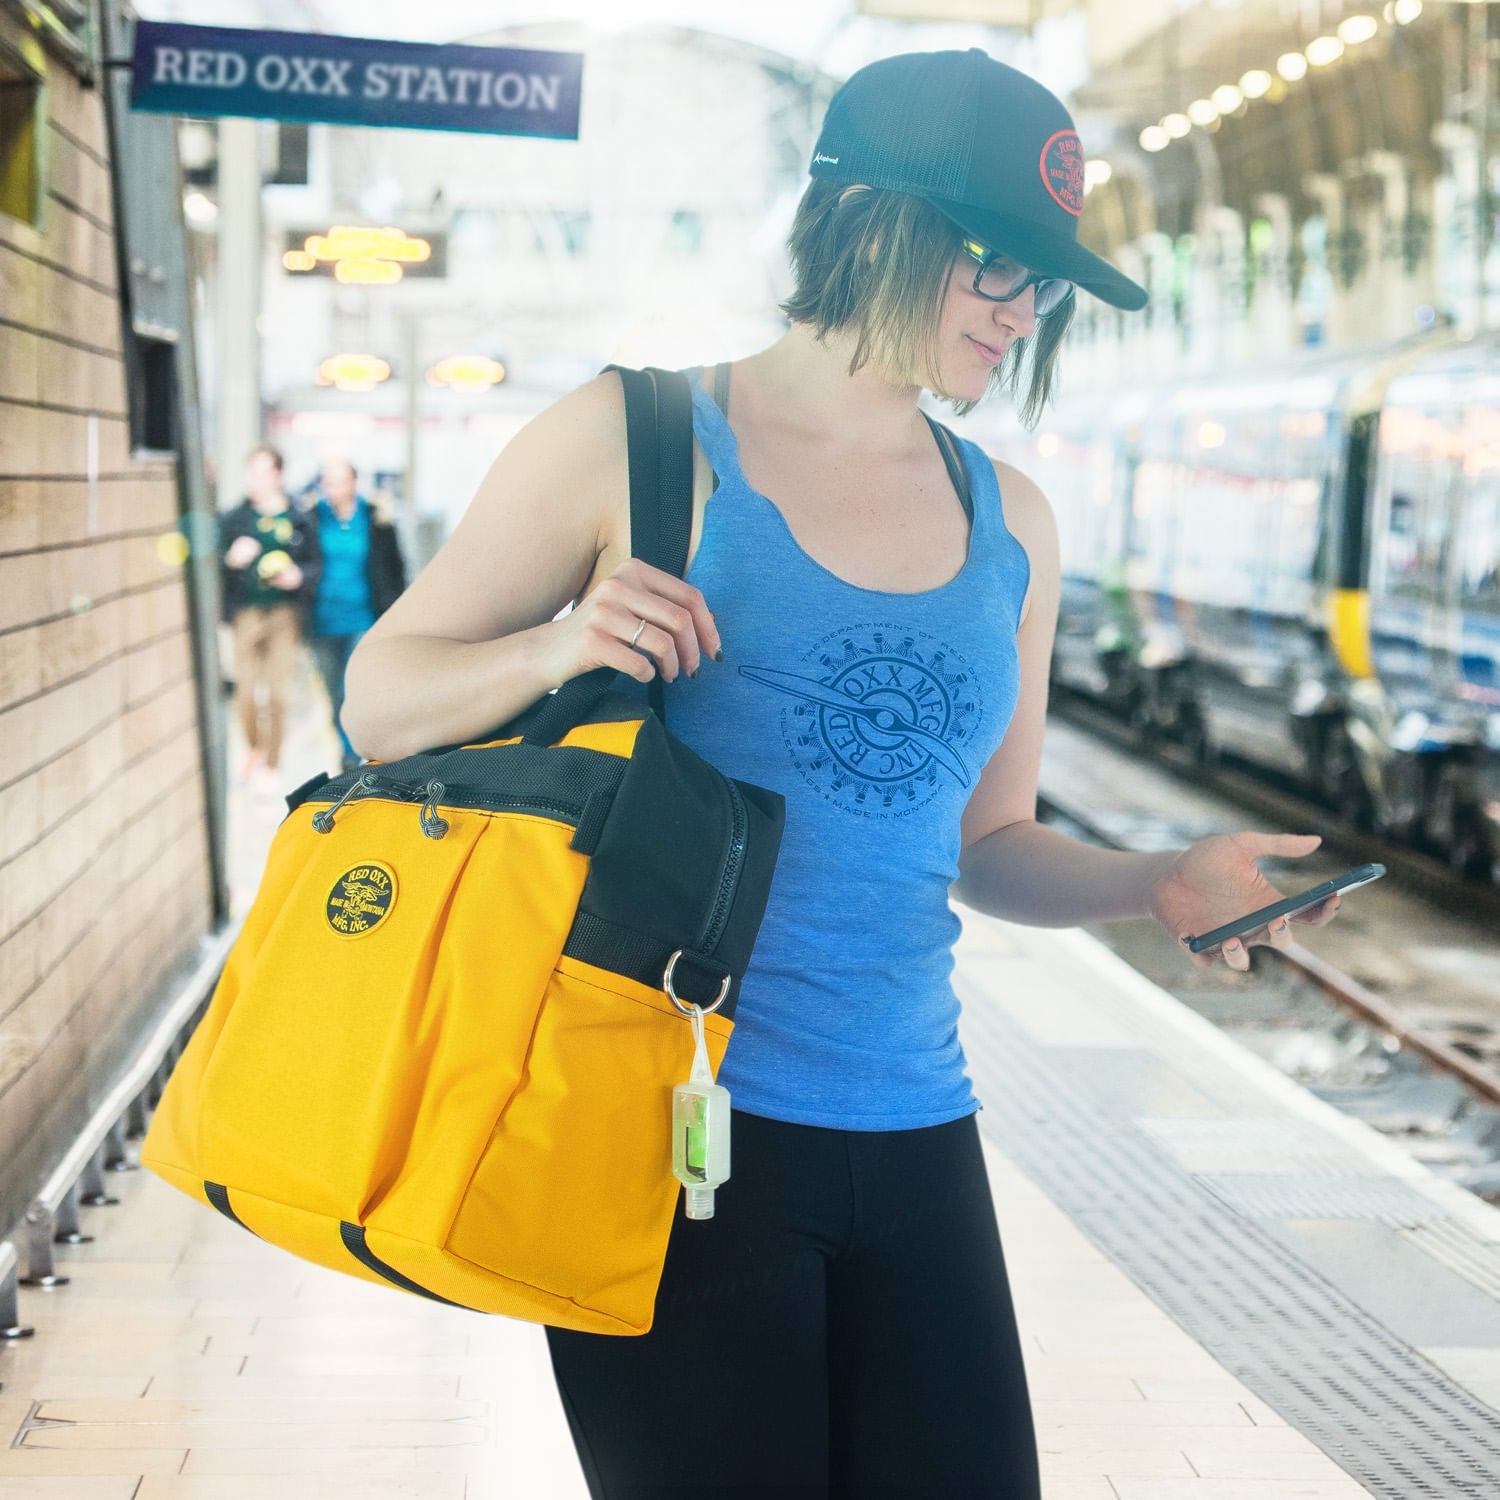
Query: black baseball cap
[(989, 147)]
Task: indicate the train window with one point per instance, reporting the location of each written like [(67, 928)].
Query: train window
[(1235, 521), (1421, 476), (1479, 543), (20, 140)]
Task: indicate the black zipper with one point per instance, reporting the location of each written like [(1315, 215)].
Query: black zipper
[(391, 791), (734, 859)]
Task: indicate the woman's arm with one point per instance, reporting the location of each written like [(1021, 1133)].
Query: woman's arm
[(1013, 867), (1026, 872), (473, 640)]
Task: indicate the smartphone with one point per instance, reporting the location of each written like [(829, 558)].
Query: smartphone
[(1359, 875)]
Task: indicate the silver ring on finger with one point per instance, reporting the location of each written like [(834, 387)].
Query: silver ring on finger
[(638, 629)]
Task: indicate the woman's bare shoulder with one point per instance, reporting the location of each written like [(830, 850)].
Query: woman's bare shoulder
[(1030, 519), (529, 539), (581, 429), (1028, 512)]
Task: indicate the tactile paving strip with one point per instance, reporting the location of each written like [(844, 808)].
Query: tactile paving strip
[(1304, 1197), (1476, 1260), (1388, 1416), (1252, 1145)]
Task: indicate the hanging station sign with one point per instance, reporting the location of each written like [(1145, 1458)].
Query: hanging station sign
[(343, 80)]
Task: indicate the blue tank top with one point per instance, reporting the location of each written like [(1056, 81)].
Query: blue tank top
[(874, 714)]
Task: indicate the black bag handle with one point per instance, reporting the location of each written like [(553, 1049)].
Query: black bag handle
[(659, 442)]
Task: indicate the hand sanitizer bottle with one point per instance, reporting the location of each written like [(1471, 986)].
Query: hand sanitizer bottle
[(700, 1131)]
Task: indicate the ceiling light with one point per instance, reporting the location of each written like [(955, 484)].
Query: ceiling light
[(1201, 112), (467, 372), (1096, 172), (1256, 84), (1176, 126), (1226, 98), (1357, 29), (353, 372), (1154, 138), (1404, 12), (200, 209), (1292, 66), (1324, 50)]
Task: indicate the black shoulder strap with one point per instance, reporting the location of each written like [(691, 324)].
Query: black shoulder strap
[(659, 439), (659, 442), (659, 436), (948, 447)]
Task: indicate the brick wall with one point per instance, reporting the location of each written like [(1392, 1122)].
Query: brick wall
[(104, 865)]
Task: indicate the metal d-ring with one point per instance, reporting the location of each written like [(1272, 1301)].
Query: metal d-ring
[(666, 984)]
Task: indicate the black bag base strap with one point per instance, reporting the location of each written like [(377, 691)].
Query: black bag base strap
[(624, 950)]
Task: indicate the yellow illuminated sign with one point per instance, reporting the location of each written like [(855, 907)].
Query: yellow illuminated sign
[(350, 242), (360, 255), (359, 272)]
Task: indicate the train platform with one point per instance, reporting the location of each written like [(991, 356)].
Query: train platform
[(1226, 1291)]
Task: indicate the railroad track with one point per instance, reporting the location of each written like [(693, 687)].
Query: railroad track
[(1346, 990), (1432, 1073), (1255, 790)]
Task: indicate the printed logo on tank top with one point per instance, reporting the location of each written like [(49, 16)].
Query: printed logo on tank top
[(879, 718)]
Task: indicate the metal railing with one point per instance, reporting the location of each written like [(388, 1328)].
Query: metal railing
[(78, 1179)]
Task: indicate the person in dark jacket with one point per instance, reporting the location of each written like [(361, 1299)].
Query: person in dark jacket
[(363, 575), (269, 570)]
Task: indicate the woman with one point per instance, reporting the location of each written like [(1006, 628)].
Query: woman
[(269, 567), (843, 1325)]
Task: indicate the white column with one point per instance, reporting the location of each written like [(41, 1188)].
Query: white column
[(238, 427)]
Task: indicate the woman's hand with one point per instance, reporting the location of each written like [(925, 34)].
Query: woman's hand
[(288, 578), (1217, 880), (243, 551), (605, 628)]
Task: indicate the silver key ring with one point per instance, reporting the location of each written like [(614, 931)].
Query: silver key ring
[(638, 629), (687, 1010)]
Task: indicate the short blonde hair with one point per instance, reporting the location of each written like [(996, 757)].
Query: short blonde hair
[(878, 262)]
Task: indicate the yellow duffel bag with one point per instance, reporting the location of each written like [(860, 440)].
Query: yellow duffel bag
[(442, 1051)]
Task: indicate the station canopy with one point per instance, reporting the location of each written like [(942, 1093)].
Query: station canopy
[(818, 32)]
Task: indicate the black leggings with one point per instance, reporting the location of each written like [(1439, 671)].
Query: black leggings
[(841, 1327)]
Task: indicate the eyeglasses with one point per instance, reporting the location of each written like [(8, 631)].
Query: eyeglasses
[(1001, 279)]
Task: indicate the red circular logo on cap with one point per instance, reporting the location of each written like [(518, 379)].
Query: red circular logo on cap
[(1062, 170)]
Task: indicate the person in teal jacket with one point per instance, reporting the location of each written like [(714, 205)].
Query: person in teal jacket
[(363, 575)]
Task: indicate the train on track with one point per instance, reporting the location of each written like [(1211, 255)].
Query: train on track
[(1298, 567)]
